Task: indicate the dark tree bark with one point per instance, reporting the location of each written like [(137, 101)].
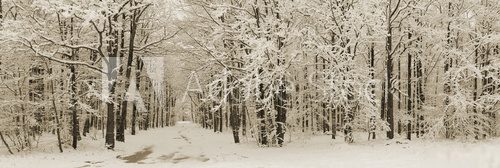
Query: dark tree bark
[(221, 123), (234, 103), (261, 116), (86, 125), (281, 99), (260, 107), (244, 113), (334, 122), (325, 117), (220, 115), (110, 128), (390, 50), (383, 109), (157, 119), (120, 132), (372, 75), (73, 100), (119, 98), (1, 11), (280, 104), (215, 118), (64, 31), (149, 106), (409, 99), (167, 107), (56, 116), (162, 113), (326, 127), (420, 92), (390, 112), (112, 76), (399, 90), (5, 142), (139, 66)]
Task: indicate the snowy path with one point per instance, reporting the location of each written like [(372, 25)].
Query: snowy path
[(186, 145)]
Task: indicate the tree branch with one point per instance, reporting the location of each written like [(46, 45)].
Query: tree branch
[(52, 58), (158, 41)]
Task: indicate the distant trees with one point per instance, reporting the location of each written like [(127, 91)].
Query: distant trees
[(331, 65), (68, 47)]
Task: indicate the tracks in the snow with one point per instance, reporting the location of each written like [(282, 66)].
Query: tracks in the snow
[(175, 157), (185, 138), (91, 164), (138, 156)]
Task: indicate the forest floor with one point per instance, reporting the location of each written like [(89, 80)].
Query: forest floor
[(188, 146)]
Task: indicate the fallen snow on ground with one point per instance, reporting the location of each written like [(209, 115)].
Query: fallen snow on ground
[(188, 146)]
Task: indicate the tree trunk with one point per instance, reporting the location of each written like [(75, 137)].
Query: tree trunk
[(120, 131), (447, 87), (420, 92), (73, 100), (138, 69), (409, 97), (149, 106), (58, 125), (234, 104), (112, 76), (261, 116), (399, 88), (243, 115), (1, 11), (215, 117), (110, 128), (388, 81), (6, 144), (86, 125), (157, 112), (372, 75), (281, 116), (334, 122), (221, 120), (74, 113)]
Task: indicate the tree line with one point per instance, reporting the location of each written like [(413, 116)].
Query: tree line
[(77, 68), (414, 68)]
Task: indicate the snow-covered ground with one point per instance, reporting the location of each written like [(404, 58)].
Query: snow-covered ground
[(188, 146)]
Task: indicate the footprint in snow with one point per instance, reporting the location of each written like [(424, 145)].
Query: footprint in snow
[(177, 157), (138, 156)]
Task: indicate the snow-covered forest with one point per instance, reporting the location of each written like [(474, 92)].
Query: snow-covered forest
[(250, 83)]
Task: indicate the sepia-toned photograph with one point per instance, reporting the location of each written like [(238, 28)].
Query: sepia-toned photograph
[(249, 83)]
